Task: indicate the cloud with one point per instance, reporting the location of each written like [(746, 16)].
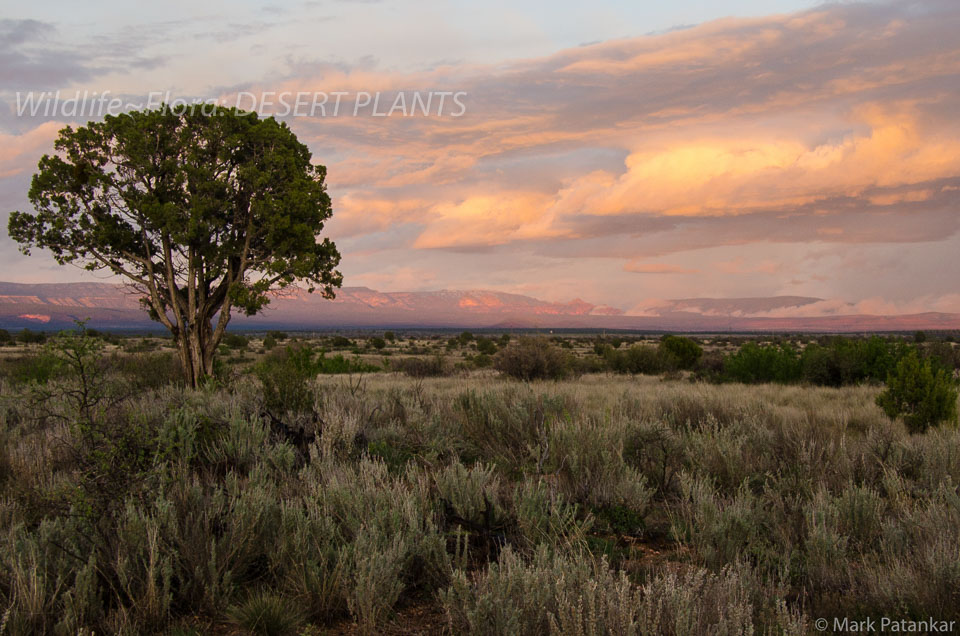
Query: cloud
[(19, 153), (834, 124), (657, 268), (700, 152)]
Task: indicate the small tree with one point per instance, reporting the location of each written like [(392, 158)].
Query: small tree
[(685, 350), (924, 397), (486, 346), (201, 210), (533, 358), (269, 342)]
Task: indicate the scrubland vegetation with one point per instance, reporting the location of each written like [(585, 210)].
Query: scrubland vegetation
[(414, 485)]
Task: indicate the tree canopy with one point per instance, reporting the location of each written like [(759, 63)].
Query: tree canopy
[(202, 210)]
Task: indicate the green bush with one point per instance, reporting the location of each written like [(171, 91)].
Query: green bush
[(339, 364), (267, 614), (432, 366), (840, 361), (377, 343), (763, 363), (235, 341), (642, 359), (269, 342), (286, 375), (533, 358), (28, 336), (486, 346), (38, 368), (922, 396), (684, 350)]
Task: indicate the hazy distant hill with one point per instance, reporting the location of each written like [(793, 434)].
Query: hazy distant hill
[(113, 306)]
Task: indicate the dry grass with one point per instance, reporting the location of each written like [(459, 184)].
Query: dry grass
[(475, 504)]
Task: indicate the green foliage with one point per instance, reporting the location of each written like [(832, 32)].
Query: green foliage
[(638, 359), (843, 361), (203, 210), (28, 336), (684, 350), (422, 367), (377, 343), (269, 342), (607, 506), (236, 341), (5, 337), (621, 519), (286, 376), (340, 342), (763, 363), (389, 336), (923, 396), (533, 358), (267, 614), (338, 364), (486, 346), (482, 361), (38, 368)]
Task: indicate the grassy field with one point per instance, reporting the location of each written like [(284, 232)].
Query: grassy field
[(383, 503)]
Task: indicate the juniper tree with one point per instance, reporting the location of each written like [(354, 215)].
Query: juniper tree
[(204, 211)]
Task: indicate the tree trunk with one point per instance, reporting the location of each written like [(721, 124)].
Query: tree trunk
[(196, 349)]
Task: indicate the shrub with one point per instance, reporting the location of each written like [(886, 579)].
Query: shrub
[(148, 370), (433, 366), (269, 342), (684, 350), (769, 363), (286, 376), (39, 368), (339, 364), (923, 397), (486, 346), (377, 343), (267, 614), (481, 361), (236, 341), (642, 359), (31, 337), (561, 594), (533, 358), (841, 361)]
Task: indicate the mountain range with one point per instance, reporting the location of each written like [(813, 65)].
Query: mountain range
[(112, 306)]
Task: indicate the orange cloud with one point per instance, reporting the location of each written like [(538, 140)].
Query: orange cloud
[(657, 268), (21, 152)]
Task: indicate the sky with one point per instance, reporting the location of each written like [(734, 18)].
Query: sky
[(618, 152)]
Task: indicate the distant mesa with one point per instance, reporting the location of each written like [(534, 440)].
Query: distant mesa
[(114, 306)]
